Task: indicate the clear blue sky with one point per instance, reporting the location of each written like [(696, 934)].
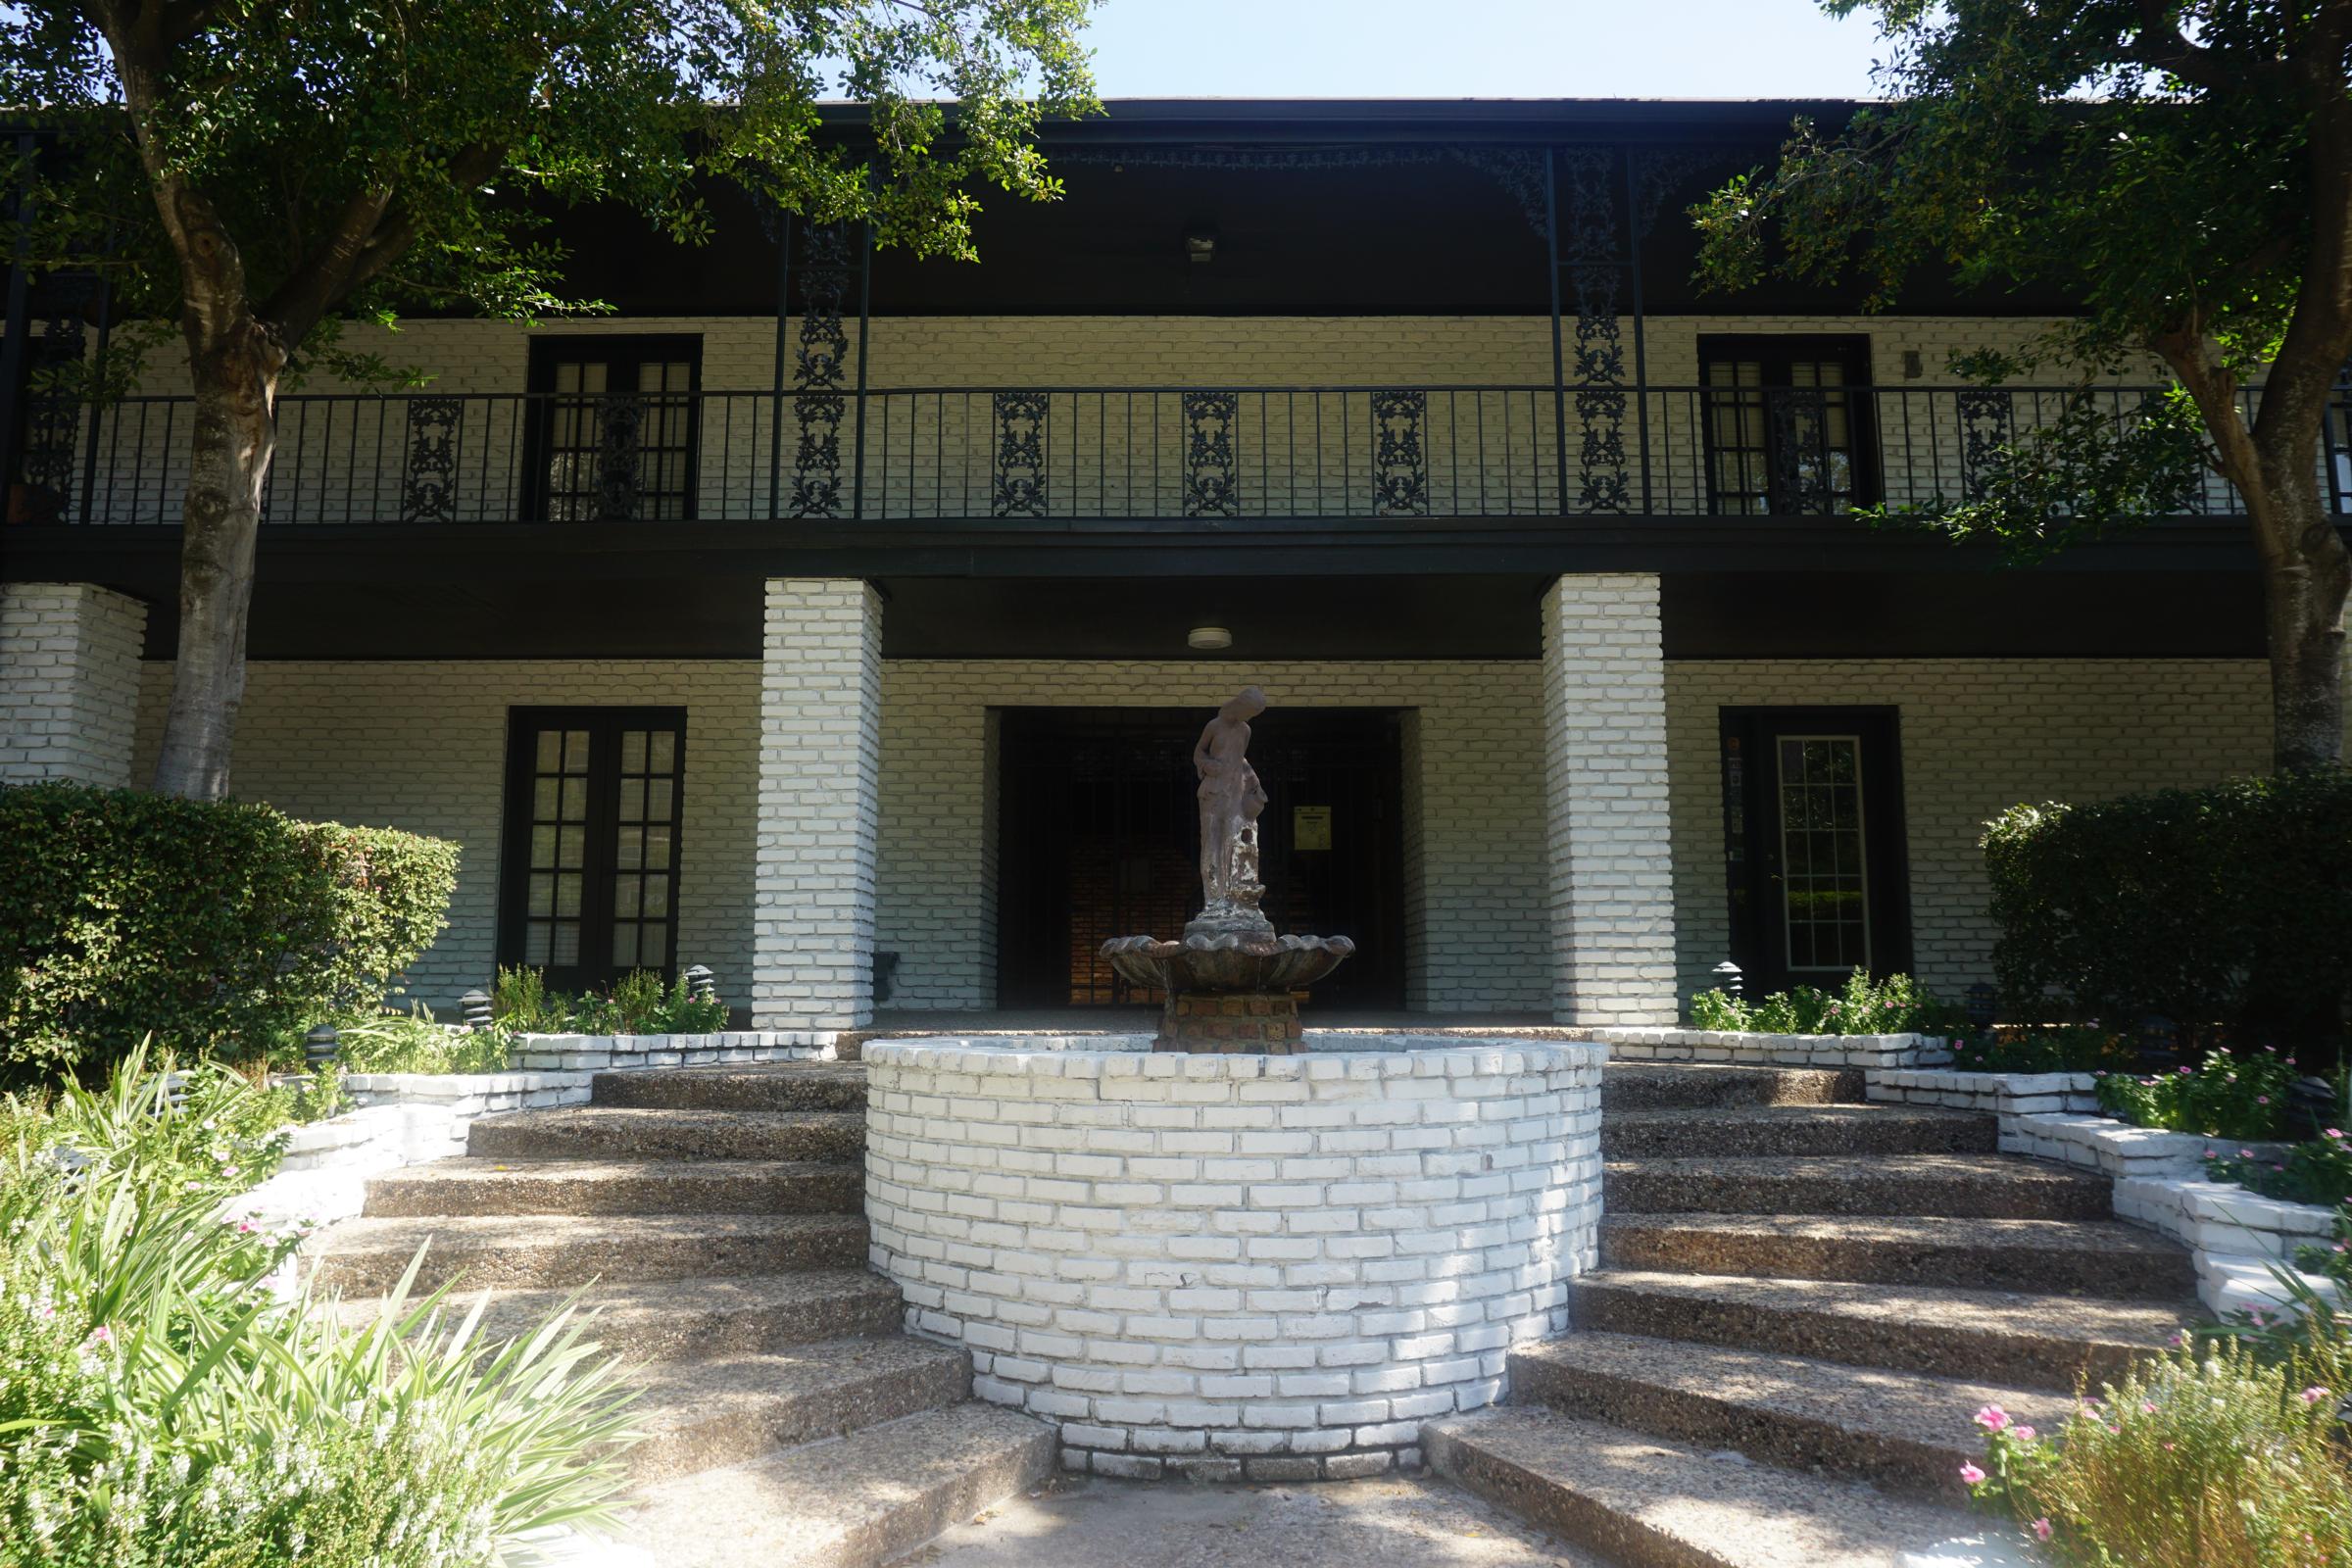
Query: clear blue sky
[(1479, 49)]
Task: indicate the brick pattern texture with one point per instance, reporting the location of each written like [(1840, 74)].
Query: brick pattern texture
[(69, 683), (1271, 1267), (820, 705), (1605, 728)]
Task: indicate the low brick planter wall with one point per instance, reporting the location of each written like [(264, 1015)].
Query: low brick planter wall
[(1770, 1051), (2007, 1094), (604, 1052), (1229, 1266)]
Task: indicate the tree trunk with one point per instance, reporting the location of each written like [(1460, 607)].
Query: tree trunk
[(2305, 582), (235, 437)]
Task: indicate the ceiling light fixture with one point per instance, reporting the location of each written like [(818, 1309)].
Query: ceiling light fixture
[(1209, 639)]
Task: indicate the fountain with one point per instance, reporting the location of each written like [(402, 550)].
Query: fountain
[(1231, 982)]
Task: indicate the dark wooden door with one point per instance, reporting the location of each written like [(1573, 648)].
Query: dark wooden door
[(1098, 837), (1814, 854)]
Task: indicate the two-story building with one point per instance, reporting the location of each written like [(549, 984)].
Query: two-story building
[(843, 621)]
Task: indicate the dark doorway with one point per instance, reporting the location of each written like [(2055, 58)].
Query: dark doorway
[(1813, 844), (1098, 838)]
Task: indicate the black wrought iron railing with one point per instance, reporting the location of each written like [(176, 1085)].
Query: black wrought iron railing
[(1049, 455)]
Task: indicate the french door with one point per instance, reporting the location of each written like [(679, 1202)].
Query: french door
[(1815, 862), (589, 865), (1789, 424), (614, 427)]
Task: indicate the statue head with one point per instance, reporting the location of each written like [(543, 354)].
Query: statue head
[(1245, 704)]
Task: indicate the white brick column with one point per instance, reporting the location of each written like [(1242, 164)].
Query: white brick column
[(1604, 719), (820, 702), (69, 682)]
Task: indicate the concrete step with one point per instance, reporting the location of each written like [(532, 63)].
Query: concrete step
[(605, 1131), (696, 1415), (1648, 1085), (1970, 1186), (1750, 1131), (1903, 1432), (2036, 1341), (2045, 1256), (367, 1256), (474, 1186), (774, 1086), (701, 1316), (1646, 1502), (857, 1502)]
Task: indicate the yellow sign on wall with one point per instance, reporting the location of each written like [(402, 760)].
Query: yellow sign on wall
[(1310, 827)]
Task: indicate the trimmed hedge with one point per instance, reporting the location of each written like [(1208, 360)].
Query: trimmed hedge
[(2230, 905), (214, 925)]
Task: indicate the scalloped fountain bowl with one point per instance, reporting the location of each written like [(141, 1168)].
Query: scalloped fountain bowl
[(1231, 990)]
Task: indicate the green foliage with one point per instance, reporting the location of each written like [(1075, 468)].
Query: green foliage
[(158, 1408), (2208, 1458), (2230, 905), (637, 1005), (2042, 1047), (364, 158), (2333, 1259), (1896, 1005), (2317, 1170), (213, 926), (2226, 1096), (391, 1041)]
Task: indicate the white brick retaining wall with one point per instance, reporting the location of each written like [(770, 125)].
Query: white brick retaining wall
[(1741, 1047), (2006, 1094), (608, 1053), (1275, 1268)]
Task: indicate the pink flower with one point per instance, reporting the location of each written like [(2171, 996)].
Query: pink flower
[(2177, 1340), (2335, 1132), (2262, 1100), (2184, 1072), (1993, 1418), (2245, 1153), (2148, 1407), (1972, 1475), (2041, 1529), (2314, 1396), (2023, 1433), (102, 1334)]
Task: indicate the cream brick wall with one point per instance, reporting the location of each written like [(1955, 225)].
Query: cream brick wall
[(69, 682), (1978, 736), (1476, 896), (422, 747), (1489, 453)]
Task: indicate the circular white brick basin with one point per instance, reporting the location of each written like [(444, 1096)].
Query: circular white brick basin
[(1271, 1267)]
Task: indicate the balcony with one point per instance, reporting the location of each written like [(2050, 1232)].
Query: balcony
[(1079, 458)]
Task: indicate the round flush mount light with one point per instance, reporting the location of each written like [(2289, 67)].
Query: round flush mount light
[(1209, 639)]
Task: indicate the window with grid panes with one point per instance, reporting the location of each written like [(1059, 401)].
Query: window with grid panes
[(590, 866), (1788, 424), (614, 427)]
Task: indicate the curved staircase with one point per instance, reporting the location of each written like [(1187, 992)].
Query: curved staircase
[(1802, 1302), (717, 1218)]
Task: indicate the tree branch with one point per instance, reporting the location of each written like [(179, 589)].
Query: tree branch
[(2318, 334), (2163, 47)]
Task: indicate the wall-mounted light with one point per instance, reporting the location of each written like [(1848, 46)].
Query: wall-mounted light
[(1201, 246), (1209, 639)]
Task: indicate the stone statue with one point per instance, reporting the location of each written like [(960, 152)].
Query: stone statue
[(1231, 798)]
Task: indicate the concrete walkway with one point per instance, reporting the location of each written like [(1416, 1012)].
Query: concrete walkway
[(1087, 1522)]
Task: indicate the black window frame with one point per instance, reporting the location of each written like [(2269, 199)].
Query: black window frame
[(550, 350), (597, 905), (1752, 857), (1779, 353)]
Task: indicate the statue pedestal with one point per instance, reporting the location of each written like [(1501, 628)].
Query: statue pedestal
[(1220, 1023)]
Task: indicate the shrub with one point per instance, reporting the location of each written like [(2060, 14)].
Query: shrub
[(1896, 1005), (158, 1409), (2205, 1458), (2316, 1171), (212, 925), (2042, 1047), (388, 1040), (2226, 1096), (2230, 905), (637, 1005)]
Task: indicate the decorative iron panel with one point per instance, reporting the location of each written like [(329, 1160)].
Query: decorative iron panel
[(1984, 431), (817, 372), (1588, 245), (428, 484), (52, 418), (1019, 490), (620, 416), (1399, 469), (1212, 470), (1801, 450)]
